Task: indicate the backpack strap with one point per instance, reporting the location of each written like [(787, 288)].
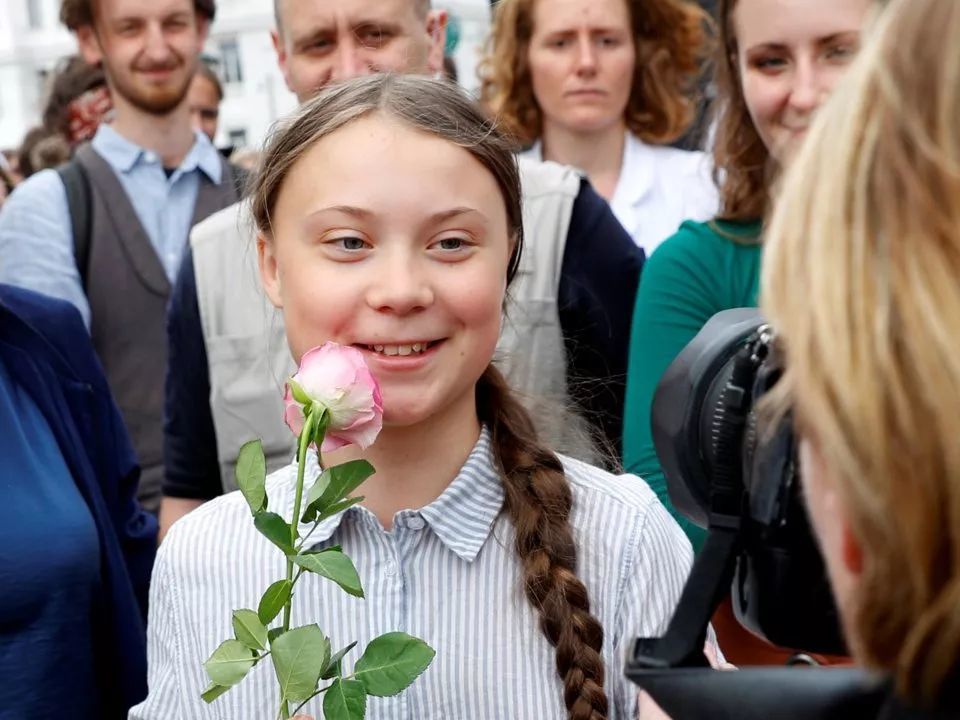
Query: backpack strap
[(77, 185)]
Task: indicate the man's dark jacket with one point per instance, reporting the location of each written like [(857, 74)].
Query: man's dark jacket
[(47, 351)]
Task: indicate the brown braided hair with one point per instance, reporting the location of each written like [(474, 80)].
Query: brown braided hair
[(538, 497), (538, 503)]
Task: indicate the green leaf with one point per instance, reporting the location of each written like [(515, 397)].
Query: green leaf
[(213, 692), (275, 529), (229, 663), (391, 662), (299, 394), (273, 601), (333, 665), (345, 700), (313, 496), (251, 473), (299, 655), (332, 564), (339, 507), (248, 629), (340, 481), (273, 634)]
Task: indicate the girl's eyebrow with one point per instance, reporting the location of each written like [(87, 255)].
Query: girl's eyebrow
[(363, 213), (456, 212)]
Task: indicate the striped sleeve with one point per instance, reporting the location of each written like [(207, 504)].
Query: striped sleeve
[(164, 658), (654, 579)]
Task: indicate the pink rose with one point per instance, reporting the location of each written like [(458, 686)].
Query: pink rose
[(337, 378)]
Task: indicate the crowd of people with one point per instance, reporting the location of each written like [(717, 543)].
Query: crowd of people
[(519, 269)]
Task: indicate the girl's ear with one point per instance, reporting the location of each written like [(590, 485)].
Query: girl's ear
[(269, 271)]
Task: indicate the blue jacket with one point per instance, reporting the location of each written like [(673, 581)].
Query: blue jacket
[(45, 346)]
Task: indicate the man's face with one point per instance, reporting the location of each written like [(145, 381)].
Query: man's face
[(322, 41), (149, 50), (204, 101)]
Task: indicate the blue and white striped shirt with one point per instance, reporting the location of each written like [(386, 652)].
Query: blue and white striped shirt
[(446, 573)]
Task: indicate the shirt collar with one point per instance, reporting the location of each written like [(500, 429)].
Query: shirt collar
[(637, 173), (464, 514), (123, 154)]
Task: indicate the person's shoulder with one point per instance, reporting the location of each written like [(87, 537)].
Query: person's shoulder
[(543, 177), (35, 194), (224, 520), (58, 323), (683, 160), (227, 225), (48, 315), (617, 515), (704, 241), (624, 494)]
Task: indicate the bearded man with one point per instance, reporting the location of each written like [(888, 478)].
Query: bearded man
[(107, 231)]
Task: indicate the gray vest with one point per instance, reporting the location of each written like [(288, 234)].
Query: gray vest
[(249, 360), (128, 292)]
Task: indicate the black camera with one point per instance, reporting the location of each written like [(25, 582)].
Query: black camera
[(732, 467)]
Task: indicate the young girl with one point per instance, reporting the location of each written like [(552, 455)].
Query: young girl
[(605, 86), (389, 215)]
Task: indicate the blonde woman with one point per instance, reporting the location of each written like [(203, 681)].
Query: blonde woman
[(862, 281)]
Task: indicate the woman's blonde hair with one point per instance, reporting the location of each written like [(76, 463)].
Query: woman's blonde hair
[(670, 41), (862, 280)]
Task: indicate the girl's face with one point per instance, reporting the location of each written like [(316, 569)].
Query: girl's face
[(581, 62), (393, 241), (790, 55)]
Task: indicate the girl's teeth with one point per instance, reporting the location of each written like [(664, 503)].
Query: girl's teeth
[(402, 350)]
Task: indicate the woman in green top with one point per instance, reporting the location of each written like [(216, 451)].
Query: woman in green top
[(778, 61)]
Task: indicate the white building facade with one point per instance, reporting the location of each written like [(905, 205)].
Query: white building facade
[(32, 42)]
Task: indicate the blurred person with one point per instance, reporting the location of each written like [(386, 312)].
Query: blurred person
[(76, 550), (49, 151), (10, 161), (78, 101), (861, 282), (204, 98), (8, 178), (565, 331), (778, 61), (28, 160), (139, 185), (245, 158), (450, 69), (605, 86)]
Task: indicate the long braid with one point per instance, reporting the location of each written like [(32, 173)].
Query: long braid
[(538, 502)]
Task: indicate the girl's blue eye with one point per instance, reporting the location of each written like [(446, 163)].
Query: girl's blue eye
[(351, 243), (451, 243)]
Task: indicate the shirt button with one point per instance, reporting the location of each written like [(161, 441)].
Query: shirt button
[(150, 158), (391, 568), (415, 522)]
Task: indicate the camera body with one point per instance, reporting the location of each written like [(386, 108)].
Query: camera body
[(729, 464), (732, 467)]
